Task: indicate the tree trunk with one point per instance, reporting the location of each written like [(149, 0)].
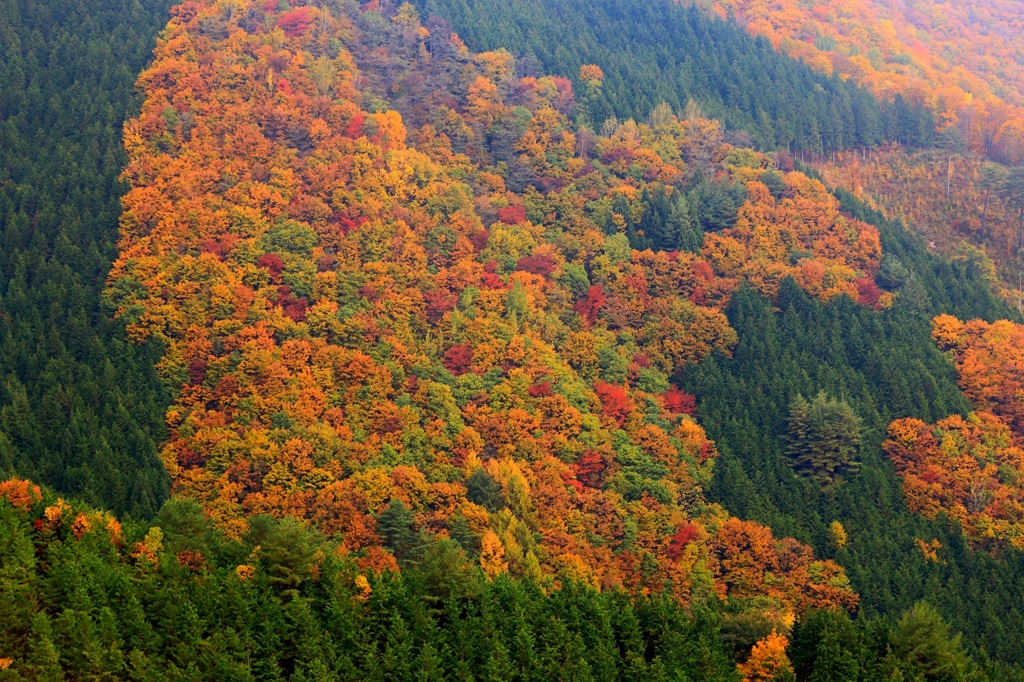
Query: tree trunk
[(984, 213), (949, 174)]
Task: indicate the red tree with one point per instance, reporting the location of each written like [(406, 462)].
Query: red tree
[(590, 468), (459, 359), (680, 402), (615, 404), (512, 215), (589, 307), (868, 292), (536, 265), (295, 22), (685, 534)]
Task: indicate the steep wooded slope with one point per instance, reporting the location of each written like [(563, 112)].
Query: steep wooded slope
[(960, 59), (81, 408), (653, 52), (363, 333)]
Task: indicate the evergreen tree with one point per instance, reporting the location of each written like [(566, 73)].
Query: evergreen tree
[(716, 204), (823, 439), (482, 489), (397, 527), (926, 648)]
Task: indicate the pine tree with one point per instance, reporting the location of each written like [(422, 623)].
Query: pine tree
[(43, 661), (396, 526), (926, 648), (824, 438), (834, 662), (482, 489)]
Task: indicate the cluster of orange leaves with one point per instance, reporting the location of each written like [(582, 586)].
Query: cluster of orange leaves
[(957, 58), (767, 660), (972, 469), (351, 320), (768, 233), (25, 496)]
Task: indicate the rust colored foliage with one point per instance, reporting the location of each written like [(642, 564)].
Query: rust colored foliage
[(952, 200), (358, 310), (20, 493), (459, 359), (989, 360), (541, 390), (590, 468), (868, 293), (972, 469), (60, 519), (542, 265), (955, 58), (968, 469)]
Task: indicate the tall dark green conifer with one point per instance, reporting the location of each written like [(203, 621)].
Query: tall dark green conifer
[(823, 439)]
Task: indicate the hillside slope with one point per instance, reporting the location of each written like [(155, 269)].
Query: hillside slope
[(960, 59), (425, 337), (361, 332), (81, 408), (660, 51)]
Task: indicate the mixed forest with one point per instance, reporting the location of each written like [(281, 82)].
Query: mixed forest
[(346, 333)]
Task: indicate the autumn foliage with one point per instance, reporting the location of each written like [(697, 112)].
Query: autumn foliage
[(966, 469), (971, 469), (20, 493), (951, 199), (953, 58), (988, 358), (358, 308), (768, 660)]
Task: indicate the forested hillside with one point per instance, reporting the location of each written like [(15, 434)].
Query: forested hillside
[(659, 51), (81, 408), (363, 333), (957, 201), (555, 343), (960, 59)]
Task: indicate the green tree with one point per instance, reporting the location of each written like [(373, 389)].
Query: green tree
[(716, 204), (396, 525), (823, 439), (43, 661), (482, 489), (286, 552), (926, 648)]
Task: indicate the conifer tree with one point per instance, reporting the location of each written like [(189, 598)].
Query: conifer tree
[(926, 648), (398, 529), (824, 438)]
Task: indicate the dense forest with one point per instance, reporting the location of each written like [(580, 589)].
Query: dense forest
[(959, 59), (556, 344), (81, 408), (662, 51), (86, 597)]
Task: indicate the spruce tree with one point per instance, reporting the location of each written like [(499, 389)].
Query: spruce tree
[(824, 438), (397, 527)]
